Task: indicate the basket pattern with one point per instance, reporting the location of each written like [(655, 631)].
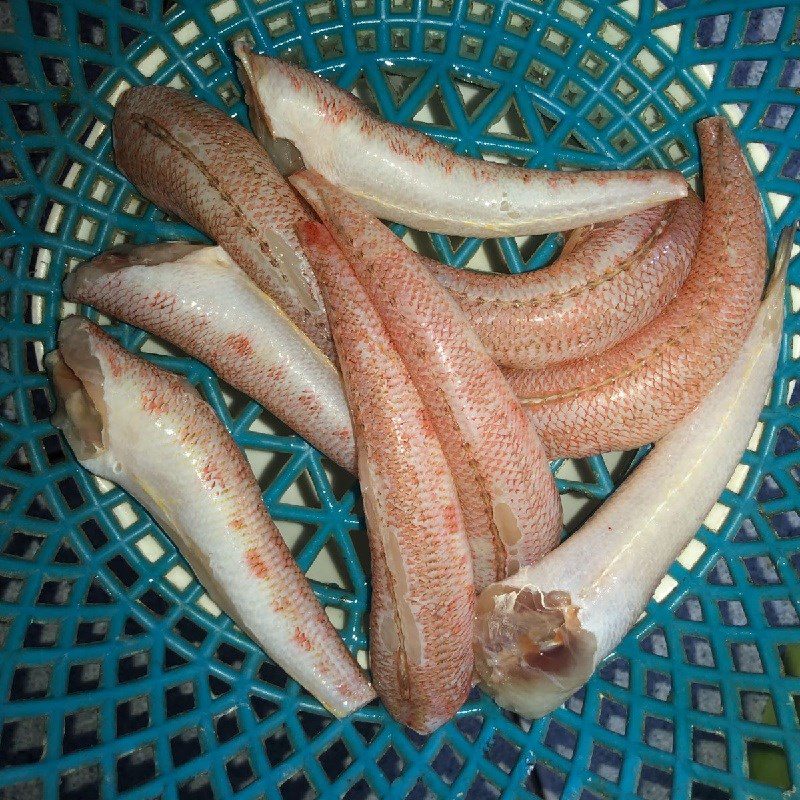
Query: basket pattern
[(118, 675)]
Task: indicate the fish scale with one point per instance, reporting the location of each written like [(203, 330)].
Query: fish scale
[(613, 280)]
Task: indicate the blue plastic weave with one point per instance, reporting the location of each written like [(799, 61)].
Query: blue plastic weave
[(116, 676)]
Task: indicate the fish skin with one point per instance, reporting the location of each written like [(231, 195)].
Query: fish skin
[(610, 280), (596, 586), (402, 175)]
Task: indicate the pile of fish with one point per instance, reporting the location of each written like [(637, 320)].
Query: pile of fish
[(445, 391)]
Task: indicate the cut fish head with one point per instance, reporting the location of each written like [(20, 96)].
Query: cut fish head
[(531, 652), (267, 82), (77, 372), (148, 255)]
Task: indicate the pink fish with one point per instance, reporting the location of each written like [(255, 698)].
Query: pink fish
[(422, 590), (198, 299), (150, 432), (609, 281), (401, 175), (640, 389)]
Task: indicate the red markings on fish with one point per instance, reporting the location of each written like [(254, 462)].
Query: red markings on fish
[(154, 400), (302, 640), (213, 475), (239, 344), (163, 301), (275, 373), (256, 563)]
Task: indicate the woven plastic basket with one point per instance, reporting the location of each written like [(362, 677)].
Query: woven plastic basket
[(118, 676)]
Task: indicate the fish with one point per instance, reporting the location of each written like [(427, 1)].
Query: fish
[(198, 299), (423, 593), (197, 163), (511, 507), (610, 280), (638, 390), (149, 431), (402, 175), (540, 634)]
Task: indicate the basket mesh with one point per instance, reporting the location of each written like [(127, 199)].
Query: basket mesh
[(118, 676)]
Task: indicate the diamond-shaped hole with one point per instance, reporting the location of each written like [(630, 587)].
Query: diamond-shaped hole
[(197, 788), (336, 758), (10, 588), (761, 570), (654, 783), (697, 650), (539, 73), (45, 20), (41, 633), (84, 677), (22, 741), (763, 25), (447, 764), (295, 786), (226, 726), (617, 671), (390, 763), (605, 762), (659, 733), (30, 682), (23, 545), (767, 763), (709, 748), (179, 699), (435, 41), (780, 612), (711, 31), (557, 41), (690, 609), (658, 685), (755, 705), (133, 715), (133, 667), (561, 739), (732, 612), (136, 768), (613, 715), (239, 770), (655, 642), (278, 746), (503, 753), (155, 603), (746, 657), (786, 524), (189, 630), (55, 593), (518, 24), (185, 746), (707, 698), (81, 730)]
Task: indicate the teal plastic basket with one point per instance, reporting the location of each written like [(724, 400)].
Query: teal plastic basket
[(118, 676)]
